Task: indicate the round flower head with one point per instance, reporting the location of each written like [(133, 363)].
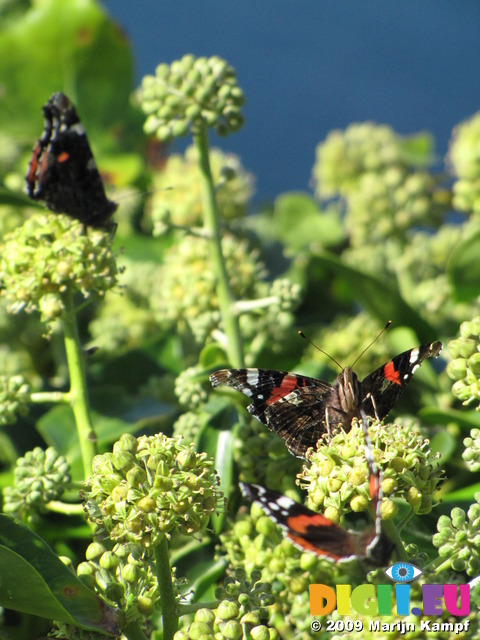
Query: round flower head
[(374, 170), (458, 538), (190, 94), (14, 398), (182, 204), (52, 255), (149, 486), (39, 477), (465, 366), (464, 161), (471, 455), (338, 478), (188, 295)]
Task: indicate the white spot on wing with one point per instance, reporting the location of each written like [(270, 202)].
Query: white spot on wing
[(414, 355), (285, 502), (252, 377)]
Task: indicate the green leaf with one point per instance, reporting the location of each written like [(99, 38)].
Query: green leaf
[(466, 420), (381, 298), (34, 580), (70, 46), (418, 149), (211, 356), (465, 494), (299, 222), (444, 443), (463, 268), (219, 443)]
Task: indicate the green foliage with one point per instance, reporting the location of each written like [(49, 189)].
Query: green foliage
[(34, 580), (117, 403)]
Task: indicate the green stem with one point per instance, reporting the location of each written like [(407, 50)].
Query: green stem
[(78, 387), (391, 531), (56, 397), (439, 565), (185, 609), (211, 219), (56, 506), (167, 594), (133, 632)]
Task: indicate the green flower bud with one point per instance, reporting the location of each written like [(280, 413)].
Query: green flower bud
[(205, 615), (227, 610), (198, 630), (260, 633), (145, 605), (359, 503), (108, 561)]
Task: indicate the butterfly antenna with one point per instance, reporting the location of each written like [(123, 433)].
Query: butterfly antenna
[(300, 333), (372, 342)]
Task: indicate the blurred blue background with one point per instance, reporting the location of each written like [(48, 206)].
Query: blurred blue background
[(312, 66)]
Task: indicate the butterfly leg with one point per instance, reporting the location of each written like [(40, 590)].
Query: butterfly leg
[(327, 423), (372, 400)]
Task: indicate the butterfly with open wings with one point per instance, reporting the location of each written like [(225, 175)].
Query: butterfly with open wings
[(302, 409)]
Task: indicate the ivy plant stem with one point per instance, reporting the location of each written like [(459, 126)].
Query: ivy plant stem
[(167, 594), (211, 221), (134, 632), (390, 530), (78, 387)]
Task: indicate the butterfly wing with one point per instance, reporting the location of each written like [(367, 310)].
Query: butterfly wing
[(62, 169), (306, 529), (289, 404), (382, 388)]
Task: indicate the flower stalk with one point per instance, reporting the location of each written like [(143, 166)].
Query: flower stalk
[(78, 386), (211, 214), (167, 593)]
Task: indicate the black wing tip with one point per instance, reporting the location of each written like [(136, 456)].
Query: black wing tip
[(435, 348), (249, 491), (219, 377)]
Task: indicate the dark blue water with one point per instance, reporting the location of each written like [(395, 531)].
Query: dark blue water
[(309, 66)]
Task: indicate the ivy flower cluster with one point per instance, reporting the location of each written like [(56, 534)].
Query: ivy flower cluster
[(188, 299), (241, 611), (149, 487), (177, 196), (464, 161), (380, 178), (337, 478), (471, 454), (465, 366), (14, 398), (123, 577), (39, 477), (458, 538), (49, 256), (190, 94)]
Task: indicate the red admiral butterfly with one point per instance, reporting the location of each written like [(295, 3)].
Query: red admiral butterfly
[(302, 409), (62, 171), (311, 531)]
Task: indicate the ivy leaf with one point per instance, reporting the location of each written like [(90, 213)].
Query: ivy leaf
[(381, 298), (34, 580), (463, 268), (71, 46), (299, 222)]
